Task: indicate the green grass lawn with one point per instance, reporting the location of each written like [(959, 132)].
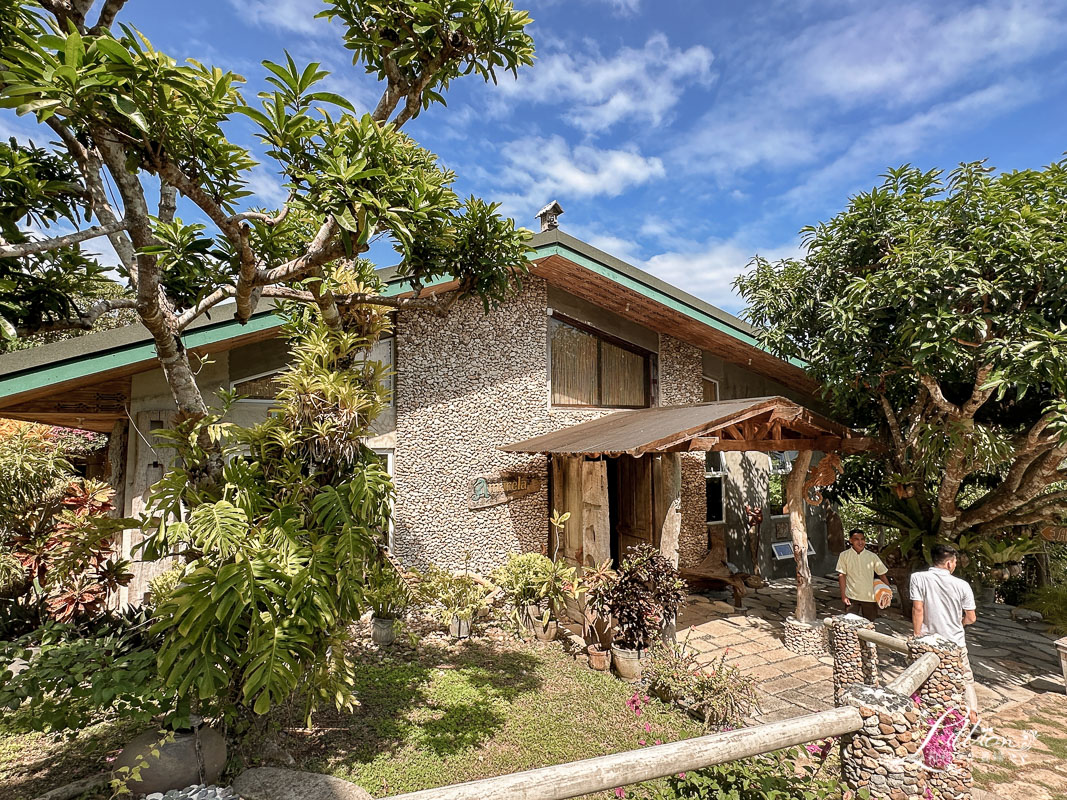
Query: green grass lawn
[(454, 714), (433, 715)]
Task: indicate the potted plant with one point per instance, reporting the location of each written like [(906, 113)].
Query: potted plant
[(644, 602), (389, 599), (458, 599), (598, 583), (521, 579)]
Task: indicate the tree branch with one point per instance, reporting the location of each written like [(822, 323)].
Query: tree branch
[(91, 166), (44, 245), (934, 388), (107, 16)]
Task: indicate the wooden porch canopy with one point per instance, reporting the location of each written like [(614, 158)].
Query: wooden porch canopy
[(764, 424)]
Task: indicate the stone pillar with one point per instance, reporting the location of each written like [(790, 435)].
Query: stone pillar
[(805, 638), (881, 756), (944, 691), (855, 661), (1061, 646)]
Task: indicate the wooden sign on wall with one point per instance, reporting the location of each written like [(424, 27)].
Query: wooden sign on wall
[(1053, 534), (500, 487)]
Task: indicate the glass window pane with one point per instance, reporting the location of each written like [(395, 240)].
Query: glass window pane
[(622, 375), (714, 497), (574, 366), (713, 461), (265, 388)]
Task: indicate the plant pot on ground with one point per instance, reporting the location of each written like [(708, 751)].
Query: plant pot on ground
[(643, 600), (389, 599), (599, 658), (457, 599)]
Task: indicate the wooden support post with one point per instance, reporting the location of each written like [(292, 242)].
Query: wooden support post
[(667, 491), (596, 517), (798, 527)]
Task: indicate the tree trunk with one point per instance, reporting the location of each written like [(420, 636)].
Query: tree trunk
[(798, 527)]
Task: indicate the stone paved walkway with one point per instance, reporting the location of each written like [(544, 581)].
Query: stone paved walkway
[(1025, 758), (1005, 655)]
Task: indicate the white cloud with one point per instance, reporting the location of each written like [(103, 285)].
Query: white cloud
[(598, 92), (893, 143), (708, 269), (266, 188), (295, 16), (901, 54), (547, 168), (794, 106)]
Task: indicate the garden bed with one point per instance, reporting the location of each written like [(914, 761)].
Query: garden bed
[(437, 713)]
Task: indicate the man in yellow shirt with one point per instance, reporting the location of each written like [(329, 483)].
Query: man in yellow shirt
[(856, 569)]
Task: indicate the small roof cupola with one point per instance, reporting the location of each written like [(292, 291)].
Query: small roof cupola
[(549, 216)]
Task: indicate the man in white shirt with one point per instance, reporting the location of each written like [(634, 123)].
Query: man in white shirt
[(944, 604), (856, 569)]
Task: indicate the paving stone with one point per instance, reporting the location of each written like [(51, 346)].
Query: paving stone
[(786, 683), (745, 662), (764, 672)]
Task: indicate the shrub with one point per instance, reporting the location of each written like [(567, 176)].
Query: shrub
[(56, 533), (532, 579), (783, 775), (76, 675), (449, 595), (1051, 601), (719, 693), (644, 597), (386, 593)]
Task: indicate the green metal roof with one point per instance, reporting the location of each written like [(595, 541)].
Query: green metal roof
[(71, 359)]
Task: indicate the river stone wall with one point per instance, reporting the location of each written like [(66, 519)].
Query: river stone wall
[(469, 382)]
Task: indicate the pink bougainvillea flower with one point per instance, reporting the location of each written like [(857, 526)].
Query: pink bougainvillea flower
[(659, 741), (681, 775), (620, 792), (641, 742), (813, 748), (648, 727)]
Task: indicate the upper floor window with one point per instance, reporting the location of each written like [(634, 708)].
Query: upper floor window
[(711, 390), (592, 370), (258, 387)]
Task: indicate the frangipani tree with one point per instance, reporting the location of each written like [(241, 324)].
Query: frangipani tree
[(934, 313), (128, 116)]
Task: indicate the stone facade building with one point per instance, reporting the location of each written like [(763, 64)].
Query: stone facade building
[(585, 336)]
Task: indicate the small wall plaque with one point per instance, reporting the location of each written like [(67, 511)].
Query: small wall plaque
[(502, 487)]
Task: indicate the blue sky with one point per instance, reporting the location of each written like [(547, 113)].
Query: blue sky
[(687, 136)]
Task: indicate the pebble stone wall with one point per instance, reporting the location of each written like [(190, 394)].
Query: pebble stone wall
[(945, 689), (876, 756), (855, 661), (467, 383), (881, 755), (681, 383), (805, 638)]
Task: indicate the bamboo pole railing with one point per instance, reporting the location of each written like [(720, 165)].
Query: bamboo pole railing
[(602, 773)]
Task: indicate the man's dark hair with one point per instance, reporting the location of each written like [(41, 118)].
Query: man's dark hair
[(856, 531), (940, 553)]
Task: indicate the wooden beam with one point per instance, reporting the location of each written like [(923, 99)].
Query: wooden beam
[(824, 444), (604, 773), (697, 445)]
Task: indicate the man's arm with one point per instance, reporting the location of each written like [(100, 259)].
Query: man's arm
[(969, 615), (841, 580), (917, 617)]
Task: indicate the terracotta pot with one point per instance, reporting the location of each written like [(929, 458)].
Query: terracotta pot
[(628, 663), (599, 659), (460, 628), (382, 631), (176, 765)]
